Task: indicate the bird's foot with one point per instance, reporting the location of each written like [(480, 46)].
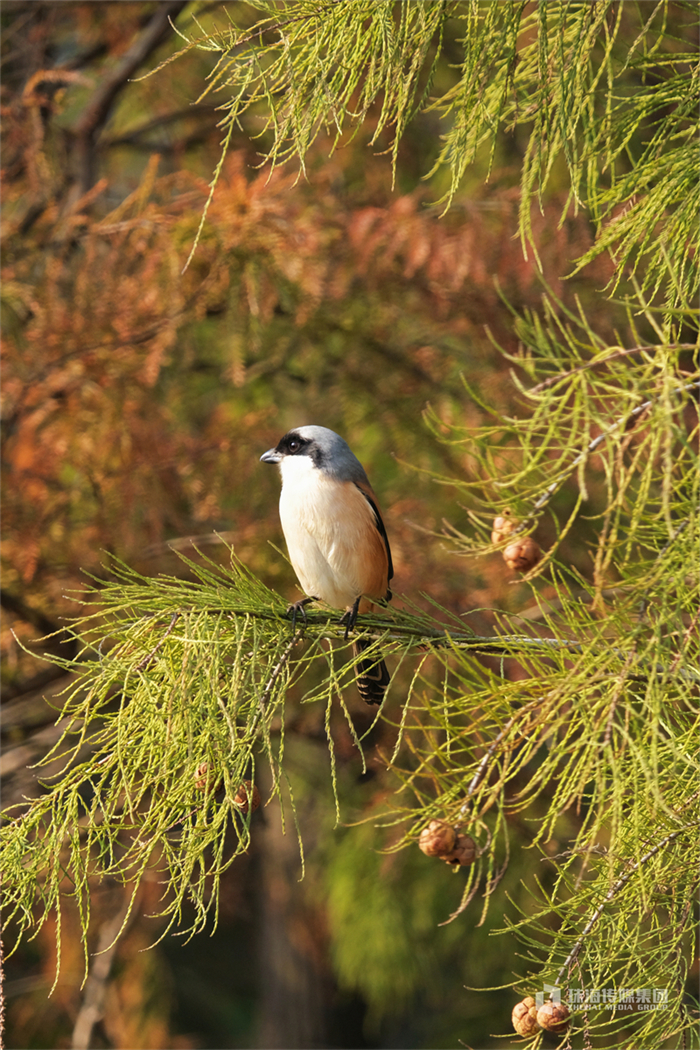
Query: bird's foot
[(350, 617), (298, 609)]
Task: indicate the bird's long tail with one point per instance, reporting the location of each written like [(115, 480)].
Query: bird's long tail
[(373, 677)]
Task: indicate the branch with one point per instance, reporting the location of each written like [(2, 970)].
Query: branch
[(419, 635), (275, 27), (133, 137), (645, 599), (92, 1007), (148, 658), (604, 361), (278, 668), (59, 636), (95, 115), (613, 891), (593, 445), (14, 604), (37, 682), (481, 769), (482, 645)]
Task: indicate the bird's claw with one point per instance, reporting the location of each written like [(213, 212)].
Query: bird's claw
[(349, 618), (298, 609)]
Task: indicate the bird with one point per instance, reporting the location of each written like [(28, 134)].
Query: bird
[(335, 535)]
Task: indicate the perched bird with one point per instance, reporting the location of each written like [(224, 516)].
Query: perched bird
[(336, 538)]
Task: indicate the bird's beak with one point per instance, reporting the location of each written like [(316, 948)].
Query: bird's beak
[(271, 456)]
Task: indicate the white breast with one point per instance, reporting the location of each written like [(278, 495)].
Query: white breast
[(324, 523)]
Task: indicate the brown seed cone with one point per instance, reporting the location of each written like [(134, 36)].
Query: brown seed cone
[(503, 526), (207, 779), (464, 852), (554, 1017), (437, 839), (247, 795), (524, 1016), (522, 554)]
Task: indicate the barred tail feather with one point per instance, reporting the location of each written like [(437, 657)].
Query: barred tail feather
[(373, 677)]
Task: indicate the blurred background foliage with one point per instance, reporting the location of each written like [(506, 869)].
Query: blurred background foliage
[(137, 399)]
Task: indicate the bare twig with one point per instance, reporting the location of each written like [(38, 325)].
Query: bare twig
[(482, 767), (278, 668), (92, 1008), (617, 693), (35, 617), (686, 638), (195, 110), (277, 27)]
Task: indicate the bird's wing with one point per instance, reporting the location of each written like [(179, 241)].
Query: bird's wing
[(366, 490)]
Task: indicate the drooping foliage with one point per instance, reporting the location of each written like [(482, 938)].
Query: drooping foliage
[(568, 74)]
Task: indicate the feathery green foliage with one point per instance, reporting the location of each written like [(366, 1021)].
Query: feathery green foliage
[(597, 746)]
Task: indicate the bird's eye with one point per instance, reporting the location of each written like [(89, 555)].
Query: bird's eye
[(294, 446)]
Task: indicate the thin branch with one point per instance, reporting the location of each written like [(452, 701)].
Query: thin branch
[(613, 891), (148, 658), (495, 645), (131, 137), (14, 604), (421, 637), (684, 641), (481, 769), (12, 691), (275, 27), (279, 666), (593, 445), (604, 361), (679, 531), (92, 1007)]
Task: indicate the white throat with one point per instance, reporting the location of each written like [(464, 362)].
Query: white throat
[(296, 470)]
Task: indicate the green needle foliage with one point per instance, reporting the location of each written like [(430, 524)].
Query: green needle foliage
[(596, 745)]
